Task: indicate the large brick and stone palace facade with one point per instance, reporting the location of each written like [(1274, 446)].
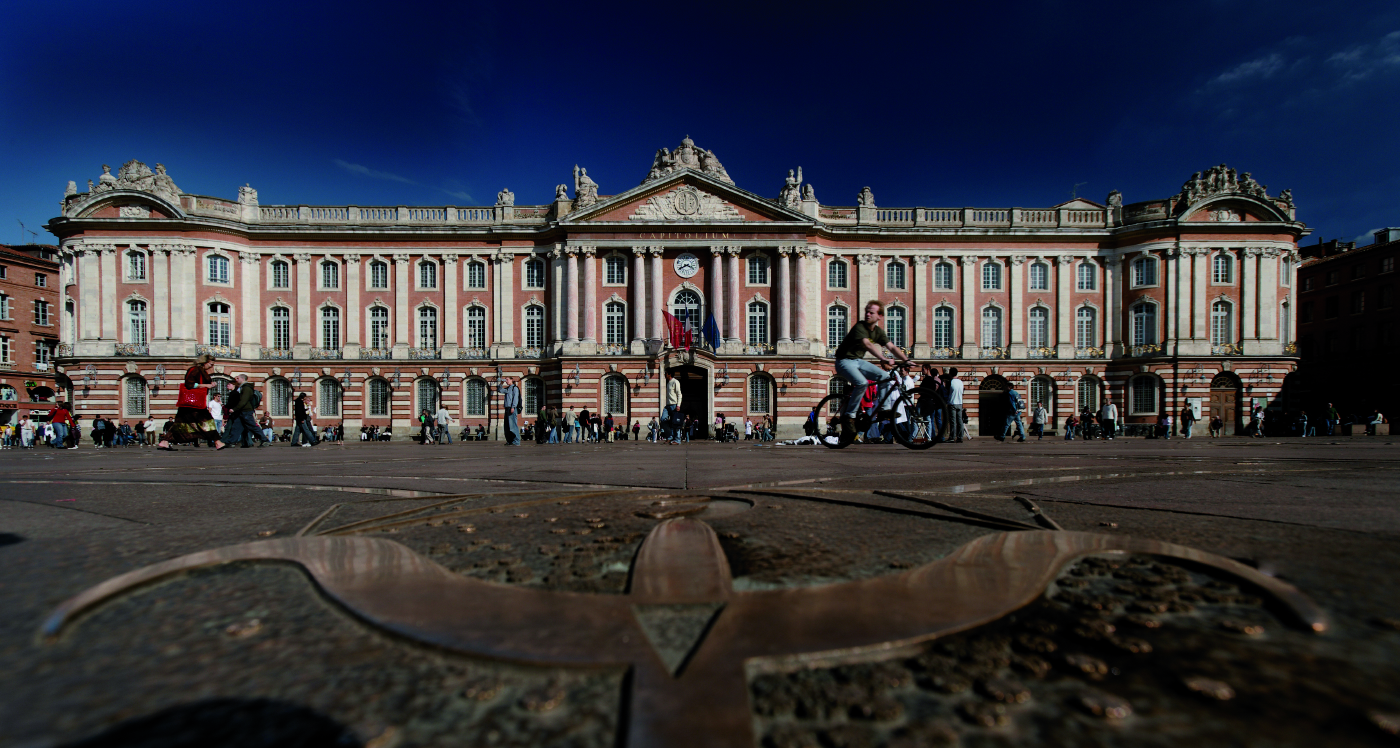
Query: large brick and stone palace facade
[(379, 312)]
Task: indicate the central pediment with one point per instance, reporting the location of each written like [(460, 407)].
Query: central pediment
[(685, 196)]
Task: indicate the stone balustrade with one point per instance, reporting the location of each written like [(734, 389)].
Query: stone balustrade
[(387, 216)]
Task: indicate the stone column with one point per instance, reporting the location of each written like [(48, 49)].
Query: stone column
[(1179, 299), (451, 311), (716, 274), (800, 332), (920, 278), (782, 297), (186, 326), (160, 291), (590, 296), (504, 264), (571, 305), (1249, 300), (354, 331), (304, 338), (867, 285), (250, 331), (90, 281), (1113, 305), (638, 346), (969, 309), (109, 293), (403, 319), (1064, 312), (556, 295), (1016, 281), (735, 325), (658, 299), (1268, 298)]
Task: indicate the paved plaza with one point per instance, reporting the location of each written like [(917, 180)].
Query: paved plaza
[(1136, 592)]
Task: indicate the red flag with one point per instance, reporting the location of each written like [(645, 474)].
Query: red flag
[(673, 328)]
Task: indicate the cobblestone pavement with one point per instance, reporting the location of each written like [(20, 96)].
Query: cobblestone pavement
[(1115, 649)]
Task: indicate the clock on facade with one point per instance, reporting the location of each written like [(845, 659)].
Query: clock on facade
[(687, 265)]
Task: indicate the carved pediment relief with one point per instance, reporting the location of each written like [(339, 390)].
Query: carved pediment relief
[(685, 203)]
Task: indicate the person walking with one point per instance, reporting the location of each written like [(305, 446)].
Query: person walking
[(61, 420), (216, 409), (542, 424), (1108, 418), (304, 426), (242, 429), (1038, 419), (192, 419), (444, 424), (957, 428), (1071, 424), (1013, 399), (1332, 419), (26, 432), (1188, 418), (670, 419), (1166, 425), (510, 403)]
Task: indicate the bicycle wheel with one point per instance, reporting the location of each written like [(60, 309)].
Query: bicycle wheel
[(915, 432), (828, 432)]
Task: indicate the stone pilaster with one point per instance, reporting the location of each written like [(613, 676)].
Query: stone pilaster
[(556, 297), (970, 312), (782, 297), (867, 284), (452, 311), (403, 338), (1064, 311), (734, 324), (571, 305), (919, 276), (658, 300), (109, 294), (1249, 294), (304, 338), (160, 293), (503, 263), (250, 331), (1016, 282), (1113, 305), (638, 344), (590, 296)]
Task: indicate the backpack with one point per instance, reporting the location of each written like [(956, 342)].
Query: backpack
[(257, 398)]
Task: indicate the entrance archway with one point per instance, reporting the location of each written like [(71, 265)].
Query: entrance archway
[(695, 395), (1225, 402), (992, 407)]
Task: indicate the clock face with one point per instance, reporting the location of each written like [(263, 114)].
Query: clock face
[(687, 265)]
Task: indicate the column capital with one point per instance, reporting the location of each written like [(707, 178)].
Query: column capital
[(785, 250), (185, 250), (654, 251), (867, 259), (352, 257), (920, 260), (557, 251), (503, 257), (447, 259), (717, 249), (732, 250), (1271, 251), (570, 250), (813, 253), (1252, 251), (588, 250), (1018, 259), (639, 251), (964, 260), (399, 259), (249, 258), (302, 258), (1064, 260)]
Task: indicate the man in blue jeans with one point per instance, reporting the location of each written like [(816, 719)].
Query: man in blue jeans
[(1014, 416), (866, 335)]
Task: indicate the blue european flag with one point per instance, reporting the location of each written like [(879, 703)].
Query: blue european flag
[(711, 332)]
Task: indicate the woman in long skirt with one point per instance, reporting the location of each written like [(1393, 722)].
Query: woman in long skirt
[(194, 424)]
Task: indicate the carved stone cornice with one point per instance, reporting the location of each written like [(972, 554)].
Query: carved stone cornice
[(1252, 252), (1272, 251)]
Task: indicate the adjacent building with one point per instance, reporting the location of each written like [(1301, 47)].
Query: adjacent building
[(1347, 322), (30, 299), (381, 312)]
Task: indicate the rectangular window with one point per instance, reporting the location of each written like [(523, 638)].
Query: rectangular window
[(1332, 277), (281, 275), (894, 276), (1358, 302), (1085, 328), (135, 266), (758, 323), (991, 276), (1040, 277), (476, 398), (328, 403), (279, 396), (427, 274), (943, 327), (1087, 276), (4, 272), (6, 305), (41, 313), (330, 328), (758, 271), (41, 280), (1308, 284), (1144, 395), (615, 271), (1387, 265), (379, 328), (476, 275), (760, 395), (836, 274), (894, 325), (1144, 272), (135, 396), (1222, 269), (6, 351), (476, 327), (1305, 312), (218, 269), (281, 328), (835, 325), (1358, 270), (1329, 307), (943, 276), (43, 352), (330, 275), (379, 275), (534, 274), (378, 397), (1385, 296)]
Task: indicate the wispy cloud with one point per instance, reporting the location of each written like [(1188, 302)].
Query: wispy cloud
[(1263, 67), (1367, 237), (1361, 61), (460, 195), (365, 171)]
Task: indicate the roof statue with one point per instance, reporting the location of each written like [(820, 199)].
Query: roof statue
[(686, 156), (135, 175), (505, 197), (1222, 180), (1115, 198), (585, 189), (791, 196), (866, 198)]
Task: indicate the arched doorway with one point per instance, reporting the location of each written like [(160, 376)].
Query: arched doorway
[(992, 407), (1225, 401), (695, 395)]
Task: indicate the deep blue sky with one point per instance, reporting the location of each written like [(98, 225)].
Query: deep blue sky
[(930, 104)]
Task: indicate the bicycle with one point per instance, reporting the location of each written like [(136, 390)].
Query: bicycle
[(916, 431)]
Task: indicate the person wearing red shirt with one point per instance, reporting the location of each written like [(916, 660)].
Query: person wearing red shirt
[(62, 421)]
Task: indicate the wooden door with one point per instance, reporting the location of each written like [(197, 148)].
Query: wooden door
[(1224, 404)]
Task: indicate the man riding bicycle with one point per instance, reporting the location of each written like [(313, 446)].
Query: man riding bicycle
[(866, 335)]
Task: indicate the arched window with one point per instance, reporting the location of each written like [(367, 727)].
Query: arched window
[(1285, 321), (218, 269), (1086, 327), (615, 323), (1038, 327), (894, 325), (427, 398), (476, 327), (1144, 323), (330, 274), (1043, 393), (328, 398), (1221, 331), (615, 270), (943, 327), (475, 402), (758, 323), (758, 270), (281, 274), (943, 276), (1222, 268), (1040, 277), (427, 274), (476, 274), (279, 398), (835, 386), (135, 397), (136, 322), (534, 273), (135, 265), (281, 327), (379, 274), (991, 276), (836, 326), (1144, 271), (534, 326), (1088, 391), (615, 395), (330, 327), (836, 274), (427, 327), (379, 327), (532, 395), (1143, 391), (688, 309), (1088, 275), (219, 324), (894, 275), (991, 327), (760, 394), (378, 397)]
